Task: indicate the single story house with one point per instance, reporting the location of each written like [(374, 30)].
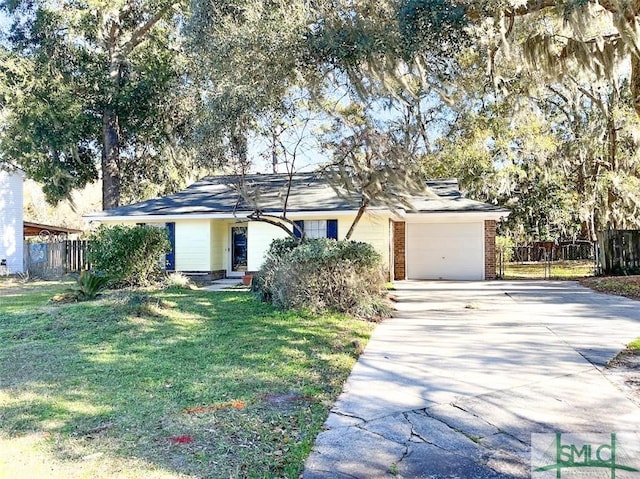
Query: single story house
[(443, 236)]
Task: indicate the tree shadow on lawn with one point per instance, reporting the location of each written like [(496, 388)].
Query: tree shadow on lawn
[(191, 382)]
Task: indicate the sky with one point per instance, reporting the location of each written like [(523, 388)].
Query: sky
[(4, 22)]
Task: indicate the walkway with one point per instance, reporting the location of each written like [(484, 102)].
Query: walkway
[(228, 284), (457, 382)]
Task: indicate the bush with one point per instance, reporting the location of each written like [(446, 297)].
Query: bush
[(128, 255), (177, 281), (88, 287), (324, 275)]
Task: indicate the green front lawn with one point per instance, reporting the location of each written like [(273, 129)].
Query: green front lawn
[(164, 384)]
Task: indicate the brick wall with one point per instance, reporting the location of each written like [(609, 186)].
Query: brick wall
[(399, 251), (490, 249)]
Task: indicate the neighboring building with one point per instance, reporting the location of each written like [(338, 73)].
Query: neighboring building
[(443, 237), (11, 222), (48, 232)]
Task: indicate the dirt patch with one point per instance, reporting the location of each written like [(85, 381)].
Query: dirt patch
[(14, 286), (10, 287), (628, 286), (624, 371)]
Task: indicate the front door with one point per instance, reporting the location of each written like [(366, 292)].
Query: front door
[(238, 248)]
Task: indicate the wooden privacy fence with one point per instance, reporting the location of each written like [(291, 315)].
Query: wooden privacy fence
[(76, 255), (619, 251), (47, 260)]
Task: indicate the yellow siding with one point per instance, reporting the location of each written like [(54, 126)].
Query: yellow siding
[(373, 229), (193, 245), (260, 235), (219, 244), (203, 245)]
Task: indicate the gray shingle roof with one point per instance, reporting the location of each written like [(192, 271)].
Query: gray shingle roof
[(309, 192)]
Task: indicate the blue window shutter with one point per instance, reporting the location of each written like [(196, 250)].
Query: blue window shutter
[(332, 229), (170, 258), (300, 228)]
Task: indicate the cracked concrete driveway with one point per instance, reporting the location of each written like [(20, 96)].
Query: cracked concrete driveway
[(455, 384)]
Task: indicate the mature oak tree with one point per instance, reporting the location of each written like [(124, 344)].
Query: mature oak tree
[(596, 35), (531, 93), (88, 79)]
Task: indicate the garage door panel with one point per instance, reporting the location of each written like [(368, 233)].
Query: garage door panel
[(445, 251), (443, 230), (437, 243)]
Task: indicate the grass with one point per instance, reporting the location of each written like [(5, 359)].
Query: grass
[(559, 270), (164, 384)]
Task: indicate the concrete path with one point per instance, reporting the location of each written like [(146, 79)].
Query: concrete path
[(226, 285), (456, 383)]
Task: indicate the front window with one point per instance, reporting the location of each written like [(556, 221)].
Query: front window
[(315, 228)]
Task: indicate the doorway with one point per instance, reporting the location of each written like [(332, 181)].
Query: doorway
[(239, 249)]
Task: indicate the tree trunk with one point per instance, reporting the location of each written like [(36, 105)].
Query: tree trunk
[(361, 210), (118, 48), (635, 82), (110, 125), (275, 221), (239, 150), (110, 157)]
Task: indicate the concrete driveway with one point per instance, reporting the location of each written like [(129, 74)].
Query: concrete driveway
[(456, 383)]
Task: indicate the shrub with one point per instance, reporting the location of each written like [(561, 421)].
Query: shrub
[(323, 274), (128, 255), (177, 281), (280, 247), (88, 286)]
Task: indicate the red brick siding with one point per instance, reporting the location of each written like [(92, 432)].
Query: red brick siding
[(399, 251), (490, 249)]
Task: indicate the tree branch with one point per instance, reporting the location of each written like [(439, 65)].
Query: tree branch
[(356, 220), (140, 33), (596, 100), (611, 6), (291, 168), (565, 111), (274, 220)]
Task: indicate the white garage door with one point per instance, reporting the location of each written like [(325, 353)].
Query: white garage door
[(445, 251)]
